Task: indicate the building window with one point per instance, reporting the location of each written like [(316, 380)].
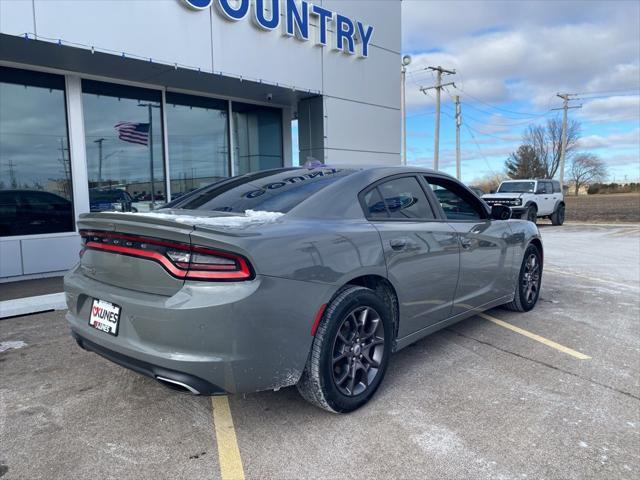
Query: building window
[(35, 171), (257, 134), (125, 160), (198, 137)]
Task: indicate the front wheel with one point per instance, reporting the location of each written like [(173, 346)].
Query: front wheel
[(532, 213), (557, 218), (350, 352), (529, 281)]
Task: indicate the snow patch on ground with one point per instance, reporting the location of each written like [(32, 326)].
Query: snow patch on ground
[(250, 217), (4, 346)]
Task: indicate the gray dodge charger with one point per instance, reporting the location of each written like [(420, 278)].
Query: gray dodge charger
[(297, 276)]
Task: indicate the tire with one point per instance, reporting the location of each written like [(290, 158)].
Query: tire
[(525, 298), (532, 213), (327, 378), (557, 218)]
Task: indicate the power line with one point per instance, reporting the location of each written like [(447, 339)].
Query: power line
[(635, 91), (538, 114), (493, 172)]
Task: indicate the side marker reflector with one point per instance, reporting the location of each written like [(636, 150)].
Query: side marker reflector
[(316, 321)]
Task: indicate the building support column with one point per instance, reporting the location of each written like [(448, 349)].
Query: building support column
[(311, 137), (77, 148)]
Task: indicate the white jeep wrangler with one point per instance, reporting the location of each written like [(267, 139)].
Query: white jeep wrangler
[(530, 199)]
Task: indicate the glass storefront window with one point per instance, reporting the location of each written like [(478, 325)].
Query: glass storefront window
[(125, 160), (198, 137), (257, 134), (35, 170)]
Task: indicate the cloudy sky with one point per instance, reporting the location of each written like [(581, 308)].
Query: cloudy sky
[(512, 57)]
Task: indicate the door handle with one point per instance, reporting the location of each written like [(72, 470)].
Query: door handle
[(398, 243)]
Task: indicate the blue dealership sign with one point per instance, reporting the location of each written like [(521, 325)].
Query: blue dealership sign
[(349, 36), (198, 4)]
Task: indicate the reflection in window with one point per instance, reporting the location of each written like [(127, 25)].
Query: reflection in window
[(35, 171), (198, 142), (125, 161), (404, 199), (273, 191), (257, 133)]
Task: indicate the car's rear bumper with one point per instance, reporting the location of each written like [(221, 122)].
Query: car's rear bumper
[(231, 337), (180, 381)]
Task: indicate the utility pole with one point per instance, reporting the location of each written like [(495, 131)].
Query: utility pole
[(458, 124), (438, 87), (566, 97)]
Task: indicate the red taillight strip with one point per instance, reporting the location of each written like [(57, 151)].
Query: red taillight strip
[(195, 271), (136, 238), (137, 252)]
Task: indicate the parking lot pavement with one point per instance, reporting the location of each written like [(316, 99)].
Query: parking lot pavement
[(476, 400)]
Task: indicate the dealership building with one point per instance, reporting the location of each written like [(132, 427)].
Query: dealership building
[(125, 105)]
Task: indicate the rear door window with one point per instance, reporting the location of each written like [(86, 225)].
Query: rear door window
[(398, 199)]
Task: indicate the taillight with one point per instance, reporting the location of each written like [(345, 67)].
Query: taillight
[(181, 260)]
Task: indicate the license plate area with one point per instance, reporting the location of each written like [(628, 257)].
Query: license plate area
[(105, 316)]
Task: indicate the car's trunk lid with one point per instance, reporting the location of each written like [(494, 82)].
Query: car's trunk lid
[(218, 230), (126, 271)]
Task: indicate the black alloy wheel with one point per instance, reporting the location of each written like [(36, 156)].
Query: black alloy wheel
[(358, 349)]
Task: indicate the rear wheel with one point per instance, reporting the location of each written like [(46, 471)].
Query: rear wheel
[(557, 218), (350, 352), (529, 281), (532, 213)]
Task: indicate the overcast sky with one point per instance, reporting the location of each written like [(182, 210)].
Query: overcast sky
[(512, 57)]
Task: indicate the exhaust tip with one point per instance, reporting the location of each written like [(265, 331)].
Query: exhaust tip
[(177, 386)]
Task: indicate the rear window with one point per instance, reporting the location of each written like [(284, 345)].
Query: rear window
[(273, 191)]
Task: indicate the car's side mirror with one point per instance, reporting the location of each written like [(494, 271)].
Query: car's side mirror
[(492, 190), (500, 212), (539, 190)]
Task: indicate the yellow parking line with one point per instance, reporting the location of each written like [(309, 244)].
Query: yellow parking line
[(228, 451), (537, 338)]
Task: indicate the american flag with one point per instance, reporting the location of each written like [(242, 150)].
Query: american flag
[(133, 132)]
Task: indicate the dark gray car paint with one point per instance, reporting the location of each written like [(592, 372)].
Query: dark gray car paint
[(255, 335)]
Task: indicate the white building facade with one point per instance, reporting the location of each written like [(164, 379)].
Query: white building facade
[(124, 105)]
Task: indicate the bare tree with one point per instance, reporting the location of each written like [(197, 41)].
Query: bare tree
[(546, 141), (586, 168), (489, 182)]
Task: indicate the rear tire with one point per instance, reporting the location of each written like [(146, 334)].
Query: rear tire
[(557, 218), (529, 282), (350, 352), (532, 214)]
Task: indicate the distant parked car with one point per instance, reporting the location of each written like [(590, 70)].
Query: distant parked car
[(110, 201), (27, 212), (531, 199)]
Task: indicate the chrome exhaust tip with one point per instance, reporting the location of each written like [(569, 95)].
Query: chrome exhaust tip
[(176, 385)]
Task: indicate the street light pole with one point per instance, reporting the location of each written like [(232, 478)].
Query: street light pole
[(406, 61)]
